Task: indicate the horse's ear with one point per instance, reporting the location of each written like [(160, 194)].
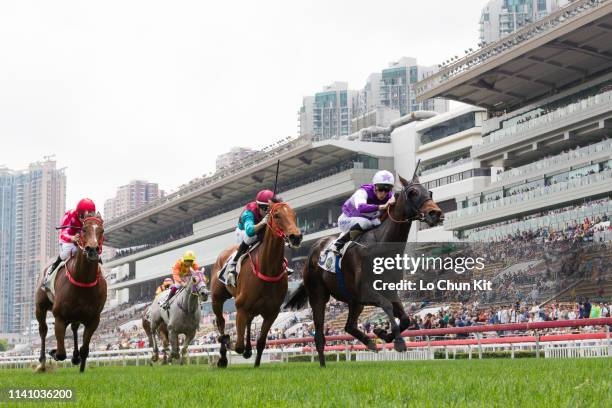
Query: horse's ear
[(415, 179), (403, 181), (98, 215)]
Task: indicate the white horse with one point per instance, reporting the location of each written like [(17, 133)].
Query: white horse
[(183, 316)]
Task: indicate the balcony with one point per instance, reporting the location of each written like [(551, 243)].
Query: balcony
[(556, 120), (554, 221), (562, 161), (541, 197)]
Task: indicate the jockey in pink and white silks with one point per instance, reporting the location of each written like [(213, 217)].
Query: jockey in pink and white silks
[(362, 211)]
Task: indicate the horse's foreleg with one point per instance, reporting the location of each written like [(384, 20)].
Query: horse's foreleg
[(241, 320), (76, 359), (398, 312), (174, 344), (263, 336), (185, 349), (59, 353), (41, 315), (87, 333), (398, 341), (351, 327), (248, 347)]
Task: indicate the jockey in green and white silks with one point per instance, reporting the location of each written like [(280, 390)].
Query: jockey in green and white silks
[(362, 211), (252, 221)]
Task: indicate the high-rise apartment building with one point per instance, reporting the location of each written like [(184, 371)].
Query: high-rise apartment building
[(502, 17), (131, 196), (32, 203), (235, 155)]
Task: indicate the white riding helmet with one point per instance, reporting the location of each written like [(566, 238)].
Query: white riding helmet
[(383, 177)]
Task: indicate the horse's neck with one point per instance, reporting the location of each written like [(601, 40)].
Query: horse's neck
[(189, 301), (271, 254), (84, 270), (392, 231)]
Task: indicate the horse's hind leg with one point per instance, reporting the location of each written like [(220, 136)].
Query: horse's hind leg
[(76, 359), (150, 332), (351, 328), (41, 315), (318, 298), (398, 311), (87, 333), (164, 337), (174, 344)]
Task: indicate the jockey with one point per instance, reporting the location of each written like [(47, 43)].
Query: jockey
[(252, 221), (362, 211), (165, 285), (181, 272), (70, 227)]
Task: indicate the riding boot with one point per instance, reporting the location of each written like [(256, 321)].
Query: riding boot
[(166, 304), (356, 231), (231, 267), (339, 243)]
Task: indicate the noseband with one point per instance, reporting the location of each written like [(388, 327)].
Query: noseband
[(273, 225)]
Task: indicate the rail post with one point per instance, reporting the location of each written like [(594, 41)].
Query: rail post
[(511, 350), (537, 344), (479, 346), (608, 339)]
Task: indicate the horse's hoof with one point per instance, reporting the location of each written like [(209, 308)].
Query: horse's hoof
[(154, 358), (371, 346), (76, 360), (222, 363), (57, 357), (399, 345), (41, 368), (165, 362), (247, 353), (239, 350)]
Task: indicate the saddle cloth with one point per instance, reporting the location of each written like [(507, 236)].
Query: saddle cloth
[(330, 260), (221, 274), (49, 281)]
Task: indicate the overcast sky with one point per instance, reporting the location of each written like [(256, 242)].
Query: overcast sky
[(154, 90)]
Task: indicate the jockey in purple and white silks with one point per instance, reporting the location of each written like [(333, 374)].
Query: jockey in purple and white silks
[(362, 211)]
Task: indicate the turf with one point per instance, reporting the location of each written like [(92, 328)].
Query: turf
[(483, 383)]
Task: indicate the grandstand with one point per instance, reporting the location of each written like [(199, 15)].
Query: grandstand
[(529, 161)]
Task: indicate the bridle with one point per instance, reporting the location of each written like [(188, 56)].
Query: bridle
[(273, 224), (95, 220), (414, 206)]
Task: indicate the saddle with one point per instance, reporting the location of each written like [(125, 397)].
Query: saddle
[(221, 274), (331, 261), (48, 284)]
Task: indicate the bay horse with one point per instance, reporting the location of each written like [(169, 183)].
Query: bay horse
[(80, 295), (261, 286), (413, 202)]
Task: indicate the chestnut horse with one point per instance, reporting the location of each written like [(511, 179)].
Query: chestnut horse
[(261, 286), (413, 202), (80, 294)]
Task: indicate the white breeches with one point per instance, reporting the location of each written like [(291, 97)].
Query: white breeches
[(241, 237), (66, 248), (345, 223)]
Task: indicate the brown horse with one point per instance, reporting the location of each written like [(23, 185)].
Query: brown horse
[(80, 294), (413, 202), (261, 285)]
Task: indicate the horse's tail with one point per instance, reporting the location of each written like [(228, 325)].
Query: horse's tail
[(297, 299)]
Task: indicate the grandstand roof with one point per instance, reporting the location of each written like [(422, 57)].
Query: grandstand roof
[(563, 49), (227, 189)]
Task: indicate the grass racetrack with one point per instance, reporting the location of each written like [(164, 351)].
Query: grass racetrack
[(493, 382)]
